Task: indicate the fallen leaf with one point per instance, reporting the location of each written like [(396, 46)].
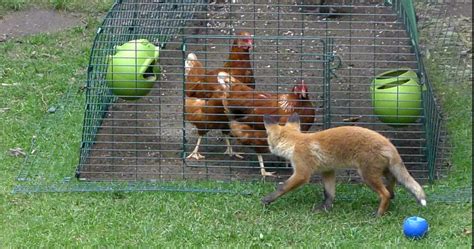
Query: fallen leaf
[(17, 152)]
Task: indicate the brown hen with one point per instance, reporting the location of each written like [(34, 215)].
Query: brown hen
[(203, 104), (245, 109)]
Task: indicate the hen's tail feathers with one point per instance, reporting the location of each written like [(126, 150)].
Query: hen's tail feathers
[(223, 78), (192, 57), (188, 64)]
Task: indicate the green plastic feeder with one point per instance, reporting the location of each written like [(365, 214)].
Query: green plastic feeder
[(396, 96), (133, 69)]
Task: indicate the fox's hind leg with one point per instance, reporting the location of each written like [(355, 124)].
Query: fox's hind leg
[(329, 184), (374, 180), (391, 181)]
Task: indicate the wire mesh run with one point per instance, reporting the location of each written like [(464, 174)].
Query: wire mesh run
[(138, 132), (445, 30), (280, 65), (149, 138)]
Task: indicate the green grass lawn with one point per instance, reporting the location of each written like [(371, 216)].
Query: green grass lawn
[(89, 6), (40, 69)]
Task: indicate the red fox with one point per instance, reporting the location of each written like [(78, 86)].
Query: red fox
[(369, 152)]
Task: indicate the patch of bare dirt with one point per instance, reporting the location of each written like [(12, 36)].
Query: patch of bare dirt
[(34, 21), (460, 9)]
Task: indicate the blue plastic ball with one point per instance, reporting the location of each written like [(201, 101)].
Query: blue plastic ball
[(415, 227)]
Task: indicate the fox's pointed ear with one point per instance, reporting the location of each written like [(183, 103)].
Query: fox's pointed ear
[(269, 120), (294, 120)]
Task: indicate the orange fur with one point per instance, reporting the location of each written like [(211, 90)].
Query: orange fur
[(373, 155)]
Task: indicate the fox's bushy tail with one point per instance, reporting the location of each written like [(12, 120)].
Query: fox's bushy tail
[(398, 169)]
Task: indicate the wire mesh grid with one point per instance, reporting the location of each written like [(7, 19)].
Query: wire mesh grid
[(338, 55), (445, 30)]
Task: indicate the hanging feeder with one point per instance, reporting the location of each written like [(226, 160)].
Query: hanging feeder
[(133, 69), (396, 97)]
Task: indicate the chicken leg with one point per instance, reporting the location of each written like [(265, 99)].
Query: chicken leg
[(195, 154), (229, 150), (262, 168)]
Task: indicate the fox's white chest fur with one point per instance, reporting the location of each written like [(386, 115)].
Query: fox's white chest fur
[(282, 148), (286, 149)]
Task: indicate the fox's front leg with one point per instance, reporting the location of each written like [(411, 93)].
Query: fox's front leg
[(293, 182)]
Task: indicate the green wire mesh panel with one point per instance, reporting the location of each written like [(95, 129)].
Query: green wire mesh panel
[(154, 21), (345, 52), (147, 138), (445, 31), (279, 64)]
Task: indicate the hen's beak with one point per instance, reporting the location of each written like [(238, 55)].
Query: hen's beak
[(247, 43), (304, 93)]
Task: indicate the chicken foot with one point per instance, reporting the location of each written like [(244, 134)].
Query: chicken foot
[(195, 154), (229, 150), (262, 168)]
